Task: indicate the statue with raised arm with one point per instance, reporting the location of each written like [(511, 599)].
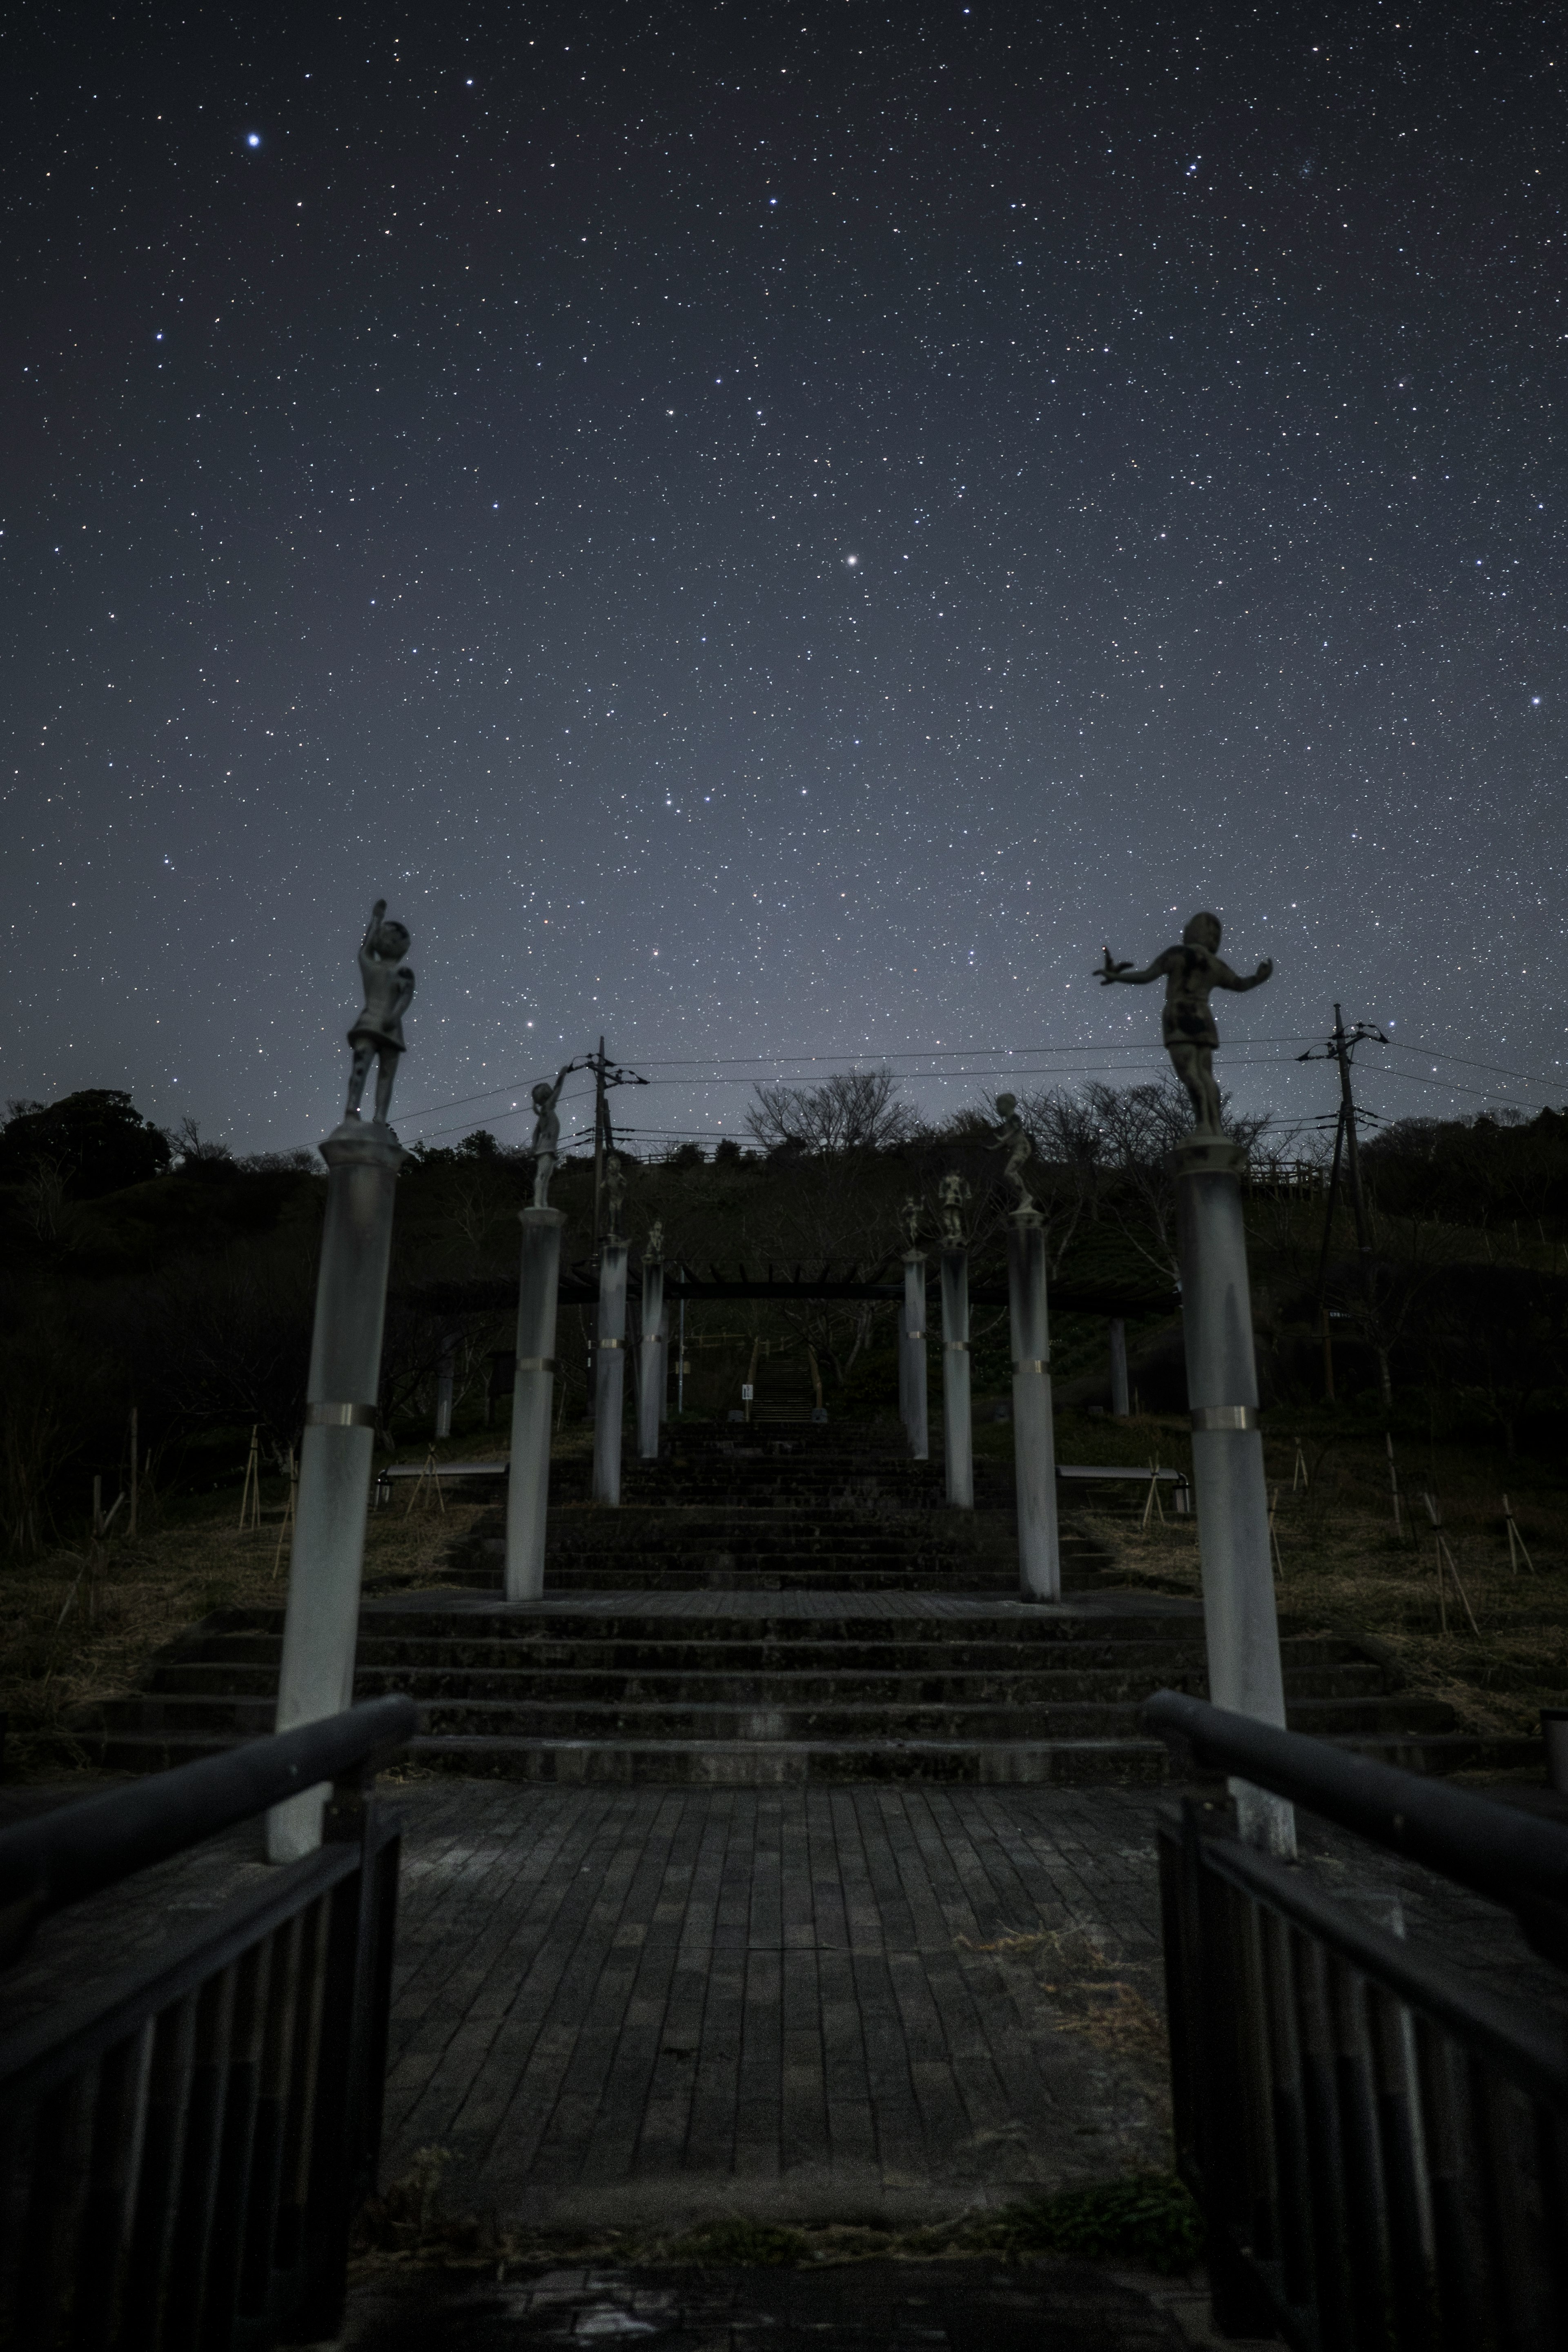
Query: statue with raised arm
[(615, 1195), (377, 1035), (953, 1192), (1013, 1138), (547, 1134), (1190, 973)]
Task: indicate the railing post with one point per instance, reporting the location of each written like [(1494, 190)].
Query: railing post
[(1034, 1434), (957, 1433), (533, 1397), (1241, 1625), (320, 1624), (610, 1372)]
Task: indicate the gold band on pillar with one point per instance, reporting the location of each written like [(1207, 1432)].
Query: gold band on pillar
[(1224, 1416), (959, 1347), (1031, 1363), (609, 1343), (537, 1364)]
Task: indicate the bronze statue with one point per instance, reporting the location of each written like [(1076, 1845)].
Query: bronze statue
[(615, 1195), (377, 1035), (547, 1134), (1187, 1023), (1014, 1138), (953, 1192)]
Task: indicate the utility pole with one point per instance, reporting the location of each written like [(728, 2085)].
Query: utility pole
[(1340, 1048), (607, 1075)]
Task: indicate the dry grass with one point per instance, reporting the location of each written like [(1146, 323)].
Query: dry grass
[(1342, 1569), (83, 1624)]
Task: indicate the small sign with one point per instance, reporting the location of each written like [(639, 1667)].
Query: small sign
[(747, 1392)]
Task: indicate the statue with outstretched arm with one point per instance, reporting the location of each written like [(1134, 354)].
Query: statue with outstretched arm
[(547, 1134), (1013, 1138), (377, 1035), (1187, 1025)]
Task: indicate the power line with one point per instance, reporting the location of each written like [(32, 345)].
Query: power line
[(1008, 1070)]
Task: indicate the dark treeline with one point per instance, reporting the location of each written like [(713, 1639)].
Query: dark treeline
[(156, 1270)]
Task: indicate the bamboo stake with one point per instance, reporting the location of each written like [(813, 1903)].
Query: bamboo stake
[(1445, 1559), (1516, 1545), (1299, 1476), (288, 1510), (135, 1445), (250, 1493), (428, 1475), (1273, 1508), (1394, 1485)]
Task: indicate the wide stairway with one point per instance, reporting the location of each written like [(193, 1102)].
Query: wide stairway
[(774, 1605)]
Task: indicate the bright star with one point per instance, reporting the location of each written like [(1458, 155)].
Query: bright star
[(852, 560), (253, 138)]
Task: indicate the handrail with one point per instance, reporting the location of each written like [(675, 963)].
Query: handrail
[(62, 1856), (1513, 1856)]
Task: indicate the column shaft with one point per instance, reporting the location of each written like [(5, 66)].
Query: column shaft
[(1241, 1625), (610, 1372), (1119, 1398), (321, 1623), (1034, 1434), (532, 1403), (916, 1419), (650, 1384), (958, 1437), (444, 1369)]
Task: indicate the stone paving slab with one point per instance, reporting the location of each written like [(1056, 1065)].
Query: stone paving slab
[(874, 2306)]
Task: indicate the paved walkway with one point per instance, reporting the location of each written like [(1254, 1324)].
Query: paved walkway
[(969, 2306)]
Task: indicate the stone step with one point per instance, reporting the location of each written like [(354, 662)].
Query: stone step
[(756, 1763), (851, 1718), (938, 1685), (845, 1576)]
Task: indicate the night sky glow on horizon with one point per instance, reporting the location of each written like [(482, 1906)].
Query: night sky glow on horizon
[(775, 535)]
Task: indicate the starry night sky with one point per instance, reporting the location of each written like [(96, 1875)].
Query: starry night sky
[(768, 533)]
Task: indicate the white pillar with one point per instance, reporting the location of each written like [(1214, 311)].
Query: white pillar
[(650, 1385), (913, 1326), (1119, 1402), (1034, 1434), (904, 1364), (1240, 1625), (532, 1403), (444, 1388), (321, 1623), (610, 1372), (958, 1436)]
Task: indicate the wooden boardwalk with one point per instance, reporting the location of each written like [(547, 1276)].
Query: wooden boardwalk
[(628, 2003), (623, 2004)]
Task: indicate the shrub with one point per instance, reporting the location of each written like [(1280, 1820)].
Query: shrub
[(1147, 2219)]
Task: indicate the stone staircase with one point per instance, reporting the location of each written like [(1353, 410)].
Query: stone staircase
[(770, 1610)]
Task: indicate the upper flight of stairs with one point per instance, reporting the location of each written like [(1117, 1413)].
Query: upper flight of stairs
[(771, 1609)]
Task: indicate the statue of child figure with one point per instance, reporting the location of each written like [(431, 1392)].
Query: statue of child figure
[(377, 1035), (1013, 1139), (953, 1196), (547, 1134), (1187, 1023)]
